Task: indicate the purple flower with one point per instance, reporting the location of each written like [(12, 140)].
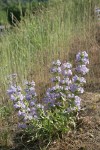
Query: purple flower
[(82, 57), (55, 79), (57, 87), (82, 80), (19, 89), (28, 97), (56, 70), (80, 90), (33, 113), (28, 117), (77, 102), (32, 92), (71, 95), (33, 110), (85, 61), (33, 83), (59, 69), (73, 88), (97, 10), (32, 103), (78, 79), (36, 117), (16, 106), (67, 72), (65, 81), (19, 104), (66, 65), (52, 95), (21, 96), (28, 109), (11, 90), (78, 56), (20, 113), (22, 105), (40, 106), (66, 88), (75, 78), (13, 98), (82, 69), (84, 53)]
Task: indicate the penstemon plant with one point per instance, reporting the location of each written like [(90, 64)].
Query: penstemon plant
[(58, 109)]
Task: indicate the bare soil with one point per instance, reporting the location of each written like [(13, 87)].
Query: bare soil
[(87, 133)]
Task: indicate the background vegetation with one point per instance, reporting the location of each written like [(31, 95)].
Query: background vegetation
[(19, 8)]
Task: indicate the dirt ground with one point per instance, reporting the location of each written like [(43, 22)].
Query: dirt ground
[(87, 133)]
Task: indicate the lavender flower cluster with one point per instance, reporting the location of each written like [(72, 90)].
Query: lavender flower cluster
[(25, 104), (67, 86)]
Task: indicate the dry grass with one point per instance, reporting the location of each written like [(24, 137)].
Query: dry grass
[(89, 43)]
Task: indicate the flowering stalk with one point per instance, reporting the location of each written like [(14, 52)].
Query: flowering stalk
[(68, 87), (25, 104)]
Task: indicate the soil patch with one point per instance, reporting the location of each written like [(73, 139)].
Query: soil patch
[(87, 133)]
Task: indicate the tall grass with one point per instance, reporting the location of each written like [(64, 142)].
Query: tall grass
[(52, 33), (3, 17), (49, 31)]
